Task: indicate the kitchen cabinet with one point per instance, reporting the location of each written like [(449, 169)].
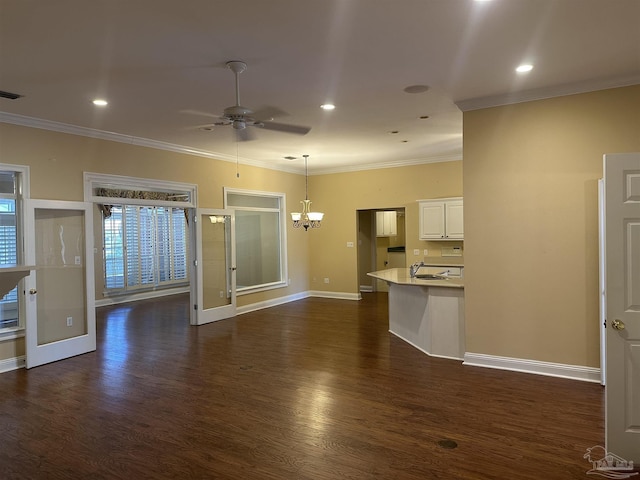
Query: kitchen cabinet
[(386, 223), (441, 219)]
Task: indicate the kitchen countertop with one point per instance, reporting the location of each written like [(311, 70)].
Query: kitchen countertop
[(10, 275), (400, 276)]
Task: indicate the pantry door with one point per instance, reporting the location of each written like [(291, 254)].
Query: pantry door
[(60, 308), (622, 300)]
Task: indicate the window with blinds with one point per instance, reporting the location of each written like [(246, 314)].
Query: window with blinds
[(145, 247)]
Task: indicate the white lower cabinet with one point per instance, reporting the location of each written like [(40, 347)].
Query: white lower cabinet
[(429, 318), (441, 219)]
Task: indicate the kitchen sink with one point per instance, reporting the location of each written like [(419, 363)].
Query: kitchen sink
[(430, 276)]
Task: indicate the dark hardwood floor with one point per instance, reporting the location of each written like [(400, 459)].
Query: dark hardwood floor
[(314, 389)]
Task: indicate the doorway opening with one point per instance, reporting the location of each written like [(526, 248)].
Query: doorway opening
[(381, 244)]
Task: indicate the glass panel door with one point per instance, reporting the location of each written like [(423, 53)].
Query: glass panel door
[(60, 292), (215, 270)]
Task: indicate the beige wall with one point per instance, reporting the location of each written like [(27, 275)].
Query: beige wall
[(340, 195), (531, 225)]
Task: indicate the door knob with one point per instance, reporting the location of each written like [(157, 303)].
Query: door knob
[(33, 291), (617, 324)]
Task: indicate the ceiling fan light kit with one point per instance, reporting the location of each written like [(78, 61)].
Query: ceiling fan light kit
[(306, 218)]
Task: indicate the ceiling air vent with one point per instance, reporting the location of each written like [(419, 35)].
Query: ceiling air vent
[(9, 95)]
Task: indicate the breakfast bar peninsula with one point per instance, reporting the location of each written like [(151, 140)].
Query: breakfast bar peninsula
[(427, 313)]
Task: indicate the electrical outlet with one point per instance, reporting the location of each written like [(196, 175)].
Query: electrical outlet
[(326, 279), (425, 252), (221, 294), (78, 260), (349, 244), (69, 321), (416, 251)]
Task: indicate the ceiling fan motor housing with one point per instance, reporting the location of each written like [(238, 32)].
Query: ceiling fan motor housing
[(238, 113)]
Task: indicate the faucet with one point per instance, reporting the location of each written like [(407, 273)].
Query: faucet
[(413, 269)]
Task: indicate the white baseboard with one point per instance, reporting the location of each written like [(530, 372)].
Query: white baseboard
[(240, 310), (366, 288), (447, 357), (336, 295), (134, 297), (573, 372), (292, 298), (252, 307), (14, 363)]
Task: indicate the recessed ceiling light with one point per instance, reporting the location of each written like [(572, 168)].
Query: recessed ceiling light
[(98, 102), (328, 106), (423, 117), (416, 88), (393, 132), (524, 68), (290, 158)]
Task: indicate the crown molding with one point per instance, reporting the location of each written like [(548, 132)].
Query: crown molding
[(42, 124), (390, 164), (22, 120), (547, 92)]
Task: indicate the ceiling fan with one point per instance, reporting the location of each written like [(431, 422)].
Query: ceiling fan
[(240, 117)]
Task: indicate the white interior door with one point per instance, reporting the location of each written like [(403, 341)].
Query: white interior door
[(60, 309), (622, 299), (214, 280)]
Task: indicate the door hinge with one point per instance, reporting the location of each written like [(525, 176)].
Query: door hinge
[(195, 263), (605, 324), (195, 307)]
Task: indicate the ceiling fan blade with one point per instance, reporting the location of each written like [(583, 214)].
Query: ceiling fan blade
[(268, 113), (199, 112), (204, 126), (285, 127)]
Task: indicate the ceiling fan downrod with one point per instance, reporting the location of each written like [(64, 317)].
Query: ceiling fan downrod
[(237, 67)]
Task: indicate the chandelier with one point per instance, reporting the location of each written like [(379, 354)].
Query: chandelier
[(306, 218)]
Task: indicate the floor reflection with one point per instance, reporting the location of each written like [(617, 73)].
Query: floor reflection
[(115, 346)]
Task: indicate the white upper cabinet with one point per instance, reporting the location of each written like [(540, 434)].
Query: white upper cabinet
[(441, 219), (386, 223)]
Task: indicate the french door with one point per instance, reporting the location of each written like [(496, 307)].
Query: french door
[(214, 273), (60, 299)]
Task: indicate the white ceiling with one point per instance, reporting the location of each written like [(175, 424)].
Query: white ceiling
[(153, 60)]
